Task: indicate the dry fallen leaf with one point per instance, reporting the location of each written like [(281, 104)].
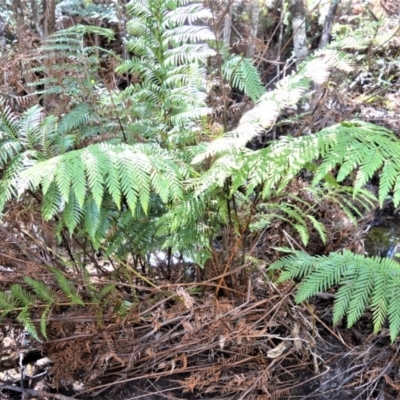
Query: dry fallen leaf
[(278, 350)]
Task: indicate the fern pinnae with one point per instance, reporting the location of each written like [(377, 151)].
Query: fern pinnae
[(295, 265), (113, 179), (362, 289), (142, 166), (303, 233), (91, 216), (342, 301), (95, 162), (52, 202), (7, 303), (388, 177), (129, 184), (22, 296), (324, 276), (319, 227), (367, 168), (44, 321), (379, 298), (67, 288), (63, 177), (41, 290), (10, 178), (394, 307), (72, 213), (79, 179), (362, 282), (25, 320)]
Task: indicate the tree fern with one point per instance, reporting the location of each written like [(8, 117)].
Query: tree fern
[(363, 282)]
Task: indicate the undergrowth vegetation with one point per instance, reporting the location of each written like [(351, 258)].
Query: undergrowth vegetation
[(157, 168)]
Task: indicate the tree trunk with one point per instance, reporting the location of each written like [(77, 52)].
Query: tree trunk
[(49, 27), (2, 35), (36, 19), (27, 74), (299, 30), (328, 24), (49, 13), (228, 24), (255, 18)]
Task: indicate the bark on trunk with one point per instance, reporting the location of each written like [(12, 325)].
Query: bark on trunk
[(2, 35), (36, 18), (328, 24), (299, 30), (27, 74), (49, 12), (228, 24), (255, 18)]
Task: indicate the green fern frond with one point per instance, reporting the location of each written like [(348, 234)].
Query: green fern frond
[(169, 51), (7, 303), (91, 216), (284, 159), (242, 74), (41, 290), (268, 108), (363, 282), (68, 288), (22, 296), (25, 320), (43, 322), (132, 172)]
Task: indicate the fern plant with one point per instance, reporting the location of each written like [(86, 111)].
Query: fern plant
[(363, 282), (175, 190), (37, 296), (169, 51), (32, 303)]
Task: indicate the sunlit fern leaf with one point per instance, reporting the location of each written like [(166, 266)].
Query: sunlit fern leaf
[(288, 92), (182, 13), (72, 214), (134, 175), (91, 216), (52, 202), (9, 180), (9, 123)]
